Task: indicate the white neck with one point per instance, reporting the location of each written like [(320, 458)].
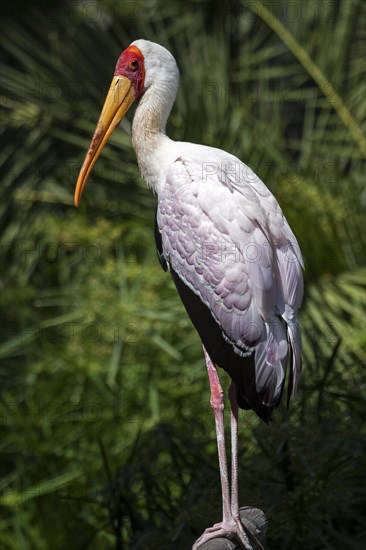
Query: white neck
[(148, 131)]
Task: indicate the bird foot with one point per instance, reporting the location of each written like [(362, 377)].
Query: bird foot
[(232, 530)]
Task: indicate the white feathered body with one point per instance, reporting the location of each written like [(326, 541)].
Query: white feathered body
[(233, 257)]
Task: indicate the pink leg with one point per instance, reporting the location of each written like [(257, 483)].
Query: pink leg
[(217, 404), (234, 451), (230, 527), (234, 459)]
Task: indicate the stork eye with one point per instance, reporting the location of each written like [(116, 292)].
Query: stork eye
[(134, 65)]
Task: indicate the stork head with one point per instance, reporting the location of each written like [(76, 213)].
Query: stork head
[(141, 66)]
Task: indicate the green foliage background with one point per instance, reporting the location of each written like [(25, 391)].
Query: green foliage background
[(107, 435)]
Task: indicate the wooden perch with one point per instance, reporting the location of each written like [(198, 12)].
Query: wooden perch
[(254, 520)]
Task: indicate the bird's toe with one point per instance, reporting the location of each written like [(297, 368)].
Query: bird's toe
[(233, 531)]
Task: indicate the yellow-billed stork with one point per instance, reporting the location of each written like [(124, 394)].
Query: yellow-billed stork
[(233, 258)]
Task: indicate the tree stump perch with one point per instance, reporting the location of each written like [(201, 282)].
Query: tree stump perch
[(255, 521)]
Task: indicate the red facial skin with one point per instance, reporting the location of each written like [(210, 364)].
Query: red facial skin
[(131, 65)]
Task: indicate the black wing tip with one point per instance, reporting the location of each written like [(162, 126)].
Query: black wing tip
[(263, 411)]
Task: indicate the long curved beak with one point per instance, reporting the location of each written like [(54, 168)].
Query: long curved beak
[(119, 99)]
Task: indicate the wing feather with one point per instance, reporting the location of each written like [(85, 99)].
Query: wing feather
[(226, 237)]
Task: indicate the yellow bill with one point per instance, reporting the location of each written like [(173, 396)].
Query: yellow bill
[(119, 99)]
